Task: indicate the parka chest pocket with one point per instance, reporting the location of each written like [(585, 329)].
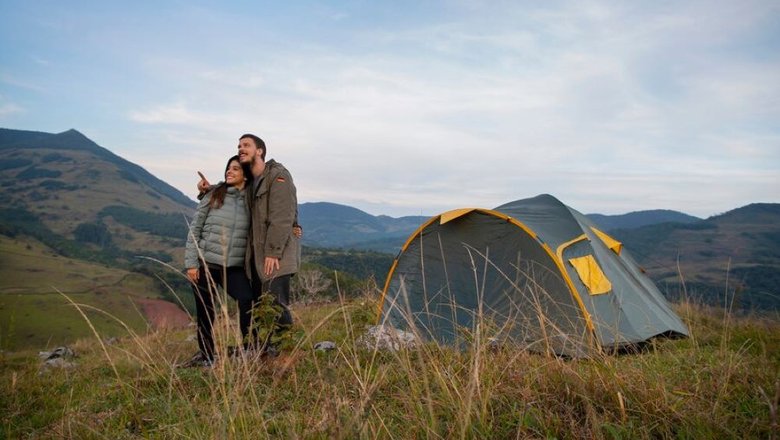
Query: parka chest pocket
[(259, 210), (258, 196)]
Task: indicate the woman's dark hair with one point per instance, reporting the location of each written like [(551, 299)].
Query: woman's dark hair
[(218, 194)]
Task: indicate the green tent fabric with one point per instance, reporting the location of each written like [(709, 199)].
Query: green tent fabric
[(534, 272)]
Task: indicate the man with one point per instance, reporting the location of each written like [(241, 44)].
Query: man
[(273, 251)]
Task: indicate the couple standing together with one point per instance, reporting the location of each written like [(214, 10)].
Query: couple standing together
[(244, 238)]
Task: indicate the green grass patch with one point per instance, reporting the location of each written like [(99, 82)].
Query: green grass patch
[(33, 312), (47, 320)]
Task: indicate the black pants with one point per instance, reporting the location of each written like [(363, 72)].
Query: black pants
[(237, 286), (279, 288)]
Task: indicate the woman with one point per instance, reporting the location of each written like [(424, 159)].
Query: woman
[(218, 237)]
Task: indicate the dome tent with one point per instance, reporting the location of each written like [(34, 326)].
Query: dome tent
[(539, 272)]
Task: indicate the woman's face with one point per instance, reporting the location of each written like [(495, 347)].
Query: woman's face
[(234, 174)]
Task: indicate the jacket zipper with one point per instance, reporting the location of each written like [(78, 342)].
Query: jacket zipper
[(232, 230)]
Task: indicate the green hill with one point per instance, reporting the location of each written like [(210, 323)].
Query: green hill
[(61, 187), (34, 311), (68, 201), (734, 256), (24, 143)]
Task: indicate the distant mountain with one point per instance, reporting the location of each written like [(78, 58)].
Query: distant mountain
[(638, 219), (739, 249), (80, 220), (736, 252), (76, 199), (333, 225), (67, 186), (340, 226), (14, 142), (84, 201)]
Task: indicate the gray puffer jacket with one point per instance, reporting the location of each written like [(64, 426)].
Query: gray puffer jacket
[(219, 232)]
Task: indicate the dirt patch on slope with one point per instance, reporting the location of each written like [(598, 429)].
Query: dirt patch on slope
[(163, 314)]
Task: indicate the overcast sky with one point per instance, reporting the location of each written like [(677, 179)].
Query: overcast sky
[(417, 107)]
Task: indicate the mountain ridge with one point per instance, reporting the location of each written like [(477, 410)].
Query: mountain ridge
[(82, 199), (84, 202), (637, 219), (74, 140), (330, 224)]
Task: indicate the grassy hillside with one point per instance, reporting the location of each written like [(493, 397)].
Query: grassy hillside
[(66, 181), (720, 383), (735, 255), (79, 219), (33, 313), (359, 264), (82, 191)]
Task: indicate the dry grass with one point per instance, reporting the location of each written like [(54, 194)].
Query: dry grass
[(720, 383)]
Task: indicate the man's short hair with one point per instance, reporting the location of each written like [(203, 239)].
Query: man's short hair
[(258, 143)]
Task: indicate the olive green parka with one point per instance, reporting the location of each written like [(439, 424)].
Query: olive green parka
[(273, 207)]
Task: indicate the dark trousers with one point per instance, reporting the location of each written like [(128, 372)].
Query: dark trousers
[(279, 289), (237, 286)]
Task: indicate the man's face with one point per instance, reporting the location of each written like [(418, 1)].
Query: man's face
[(247, 151)]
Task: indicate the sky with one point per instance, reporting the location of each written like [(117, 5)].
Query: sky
[(418, 107)]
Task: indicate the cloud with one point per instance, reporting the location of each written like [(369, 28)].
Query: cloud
[(410, 139), (14, 81), (39, 61), (177, 113), (473, 104), (234, 78), (9, 108)]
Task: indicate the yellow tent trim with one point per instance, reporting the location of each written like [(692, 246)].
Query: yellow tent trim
[(452, 215), (387, 285), (611, 243), (559, 251), (574, 292), (591, 275), (395, 263)]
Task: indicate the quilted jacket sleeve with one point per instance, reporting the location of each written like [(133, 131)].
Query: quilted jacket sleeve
[(192, 253)]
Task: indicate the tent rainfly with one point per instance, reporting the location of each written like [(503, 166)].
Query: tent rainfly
[(534, 272)]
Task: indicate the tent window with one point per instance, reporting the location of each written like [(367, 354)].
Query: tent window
[(591, 275)]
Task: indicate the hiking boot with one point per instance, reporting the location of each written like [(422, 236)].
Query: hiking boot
[(252, 351), (247, 351), (271, 351), (197, 361)]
